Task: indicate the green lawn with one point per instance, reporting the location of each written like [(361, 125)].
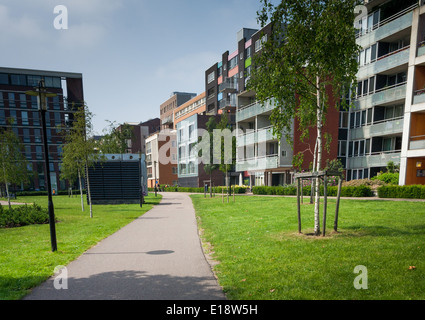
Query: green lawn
[(262, 256), (26, 259)]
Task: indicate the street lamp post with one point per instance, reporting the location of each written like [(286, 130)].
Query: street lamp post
[(41, 93)]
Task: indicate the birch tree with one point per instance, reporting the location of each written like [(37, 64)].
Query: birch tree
[(13, 165), (79, 150), (309, 61)]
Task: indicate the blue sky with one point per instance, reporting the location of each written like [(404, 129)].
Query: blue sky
[(132, 53)]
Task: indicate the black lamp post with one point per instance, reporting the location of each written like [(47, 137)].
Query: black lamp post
[(41, 93)]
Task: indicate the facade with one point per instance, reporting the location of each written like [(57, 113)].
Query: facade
[(167, 108), (161, 158), (387, 122), (141, 131), (191, 172), (195, 105), (23, 109)]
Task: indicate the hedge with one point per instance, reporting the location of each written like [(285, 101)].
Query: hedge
[(23, 216), (238, 189), (403, 192), (332, 191)]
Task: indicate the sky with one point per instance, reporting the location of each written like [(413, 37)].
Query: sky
[(132, 53)]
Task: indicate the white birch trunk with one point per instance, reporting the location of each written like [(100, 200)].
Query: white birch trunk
[(318, 161), (7, 187), (88, 191), (81, 190)]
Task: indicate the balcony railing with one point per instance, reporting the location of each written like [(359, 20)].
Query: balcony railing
[(382, 96), (228, 84), (376, 159), (419, 96), (253, 110), (417, 142), (364, 31), (385, 62), (270, 161), (256, 136), (421, 48), (385, 127)]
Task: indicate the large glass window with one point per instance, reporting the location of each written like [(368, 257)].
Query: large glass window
[(24, 116), (18, 79), (4, 78)]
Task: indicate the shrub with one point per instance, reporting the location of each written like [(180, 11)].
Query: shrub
[(332, 191), (23, 216), (388, 177), (403, 192)]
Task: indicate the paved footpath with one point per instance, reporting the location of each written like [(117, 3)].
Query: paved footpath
[(156, 257)]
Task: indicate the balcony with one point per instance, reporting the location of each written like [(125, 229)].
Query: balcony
[(387, 27), (253, 110), (258, 136), (386, 62), (382, 128), (229, 85), (379, 159), (227, 103), (382, 96), (417, 142), (419, 96), (258, 163), (421, 48)]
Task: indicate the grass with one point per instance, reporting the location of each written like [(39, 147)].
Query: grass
[(261, 256), (26, 259)]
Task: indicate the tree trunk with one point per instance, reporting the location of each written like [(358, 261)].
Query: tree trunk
[(313, 181), (7, 188), (81, 190), (318, 161), (88, 190)]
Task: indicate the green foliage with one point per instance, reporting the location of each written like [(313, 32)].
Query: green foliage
[(115, 138), (388, 177), (403, 192), (23, 216), (332, 191), (218, 189)]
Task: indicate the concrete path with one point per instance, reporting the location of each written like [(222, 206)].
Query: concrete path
[(157, 257)]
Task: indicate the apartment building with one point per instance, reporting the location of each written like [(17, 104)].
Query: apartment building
[(387, 122), (23, 109), (161, 158), (141, 131), (191, 171), (167, 108)]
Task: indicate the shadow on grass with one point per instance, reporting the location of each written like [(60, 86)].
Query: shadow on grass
[(361, 230)]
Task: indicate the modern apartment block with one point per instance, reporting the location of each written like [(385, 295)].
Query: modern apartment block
[(188, 119), (161, 158), (167, 108), (141, 131), (23, 109), (387, 122)]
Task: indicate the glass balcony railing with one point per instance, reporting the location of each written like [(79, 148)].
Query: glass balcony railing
[(382, 96), (419, 96), (386, 127), (258, 163), (417, 142), (258, 136), (384, 63), (379, 159), (253, 110), (421, 48), (386, 27)]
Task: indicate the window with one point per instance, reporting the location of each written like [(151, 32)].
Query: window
[(24, 115), (284, 153), (11, 97), (342, 148), (369, 116), (18, 80), (28, 152), (35, 119), (387, 144), (367, 147), (211, 77), (4, 78), (33, 81), (259, 43), (38, 153), (57, 119), (27, 136), (343, 120), (2, 117), (23, 100), (1, 99)]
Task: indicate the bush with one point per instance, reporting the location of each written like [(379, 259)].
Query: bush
[(332, 191), (23, 216), (388, 177), (238, 189), (403, 192)]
